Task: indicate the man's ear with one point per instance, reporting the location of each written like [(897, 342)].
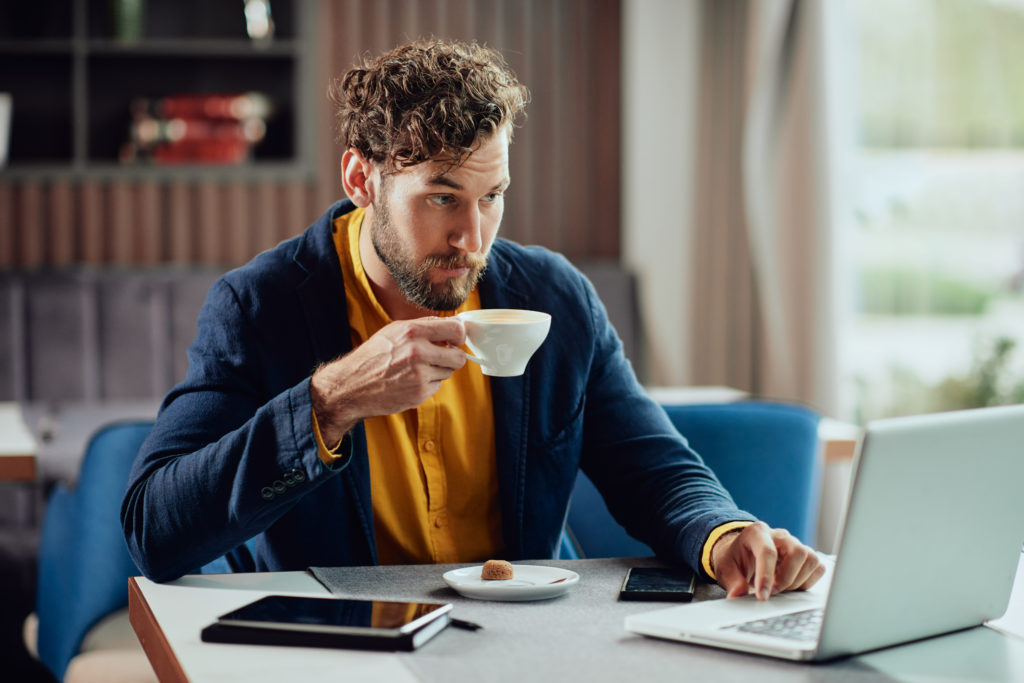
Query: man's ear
[(357, 178)]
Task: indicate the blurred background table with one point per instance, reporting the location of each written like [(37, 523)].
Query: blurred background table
[(18, 446)]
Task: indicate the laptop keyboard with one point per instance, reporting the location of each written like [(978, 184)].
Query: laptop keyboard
[(796, 625)]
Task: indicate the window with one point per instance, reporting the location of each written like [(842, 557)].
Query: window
[(939, 211)]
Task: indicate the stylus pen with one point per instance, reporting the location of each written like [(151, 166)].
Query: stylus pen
[(467, 625)]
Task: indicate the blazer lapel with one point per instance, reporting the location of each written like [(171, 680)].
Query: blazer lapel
[(322, 293), (510, 396)]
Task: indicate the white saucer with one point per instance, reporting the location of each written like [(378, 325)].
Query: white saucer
[(531, 582)]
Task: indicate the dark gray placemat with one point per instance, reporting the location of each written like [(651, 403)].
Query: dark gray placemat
[(578, 636)]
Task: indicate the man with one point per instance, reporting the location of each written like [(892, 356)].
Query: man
[(330, 418)]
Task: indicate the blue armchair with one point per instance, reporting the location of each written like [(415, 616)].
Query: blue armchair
[(83, 560), (765, 454)]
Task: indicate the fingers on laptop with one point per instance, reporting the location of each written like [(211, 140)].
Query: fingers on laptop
[(734, 574), (769, 561), (736, 584), (748, 562), (813, 576), (766, 561), (799, 567)]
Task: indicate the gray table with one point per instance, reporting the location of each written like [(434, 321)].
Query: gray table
[(580, 637)]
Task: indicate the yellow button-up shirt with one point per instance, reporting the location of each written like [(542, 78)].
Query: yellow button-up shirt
[(433, 475)]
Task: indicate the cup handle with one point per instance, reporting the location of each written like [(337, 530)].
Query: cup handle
[(469, 356)]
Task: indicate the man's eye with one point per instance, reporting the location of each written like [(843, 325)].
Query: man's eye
[(441, 199)]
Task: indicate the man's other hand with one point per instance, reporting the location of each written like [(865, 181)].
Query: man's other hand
[(398, 368), (764, 560)]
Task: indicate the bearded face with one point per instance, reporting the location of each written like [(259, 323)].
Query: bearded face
[(415, 279)]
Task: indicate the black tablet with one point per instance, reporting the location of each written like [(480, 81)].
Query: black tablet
[(336, 615)]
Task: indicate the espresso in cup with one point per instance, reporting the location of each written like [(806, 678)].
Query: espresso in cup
[(504, 339)]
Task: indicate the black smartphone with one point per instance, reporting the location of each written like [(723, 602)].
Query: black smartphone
[(658, 583)]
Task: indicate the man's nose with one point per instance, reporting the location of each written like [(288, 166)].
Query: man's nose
[(466, 236)]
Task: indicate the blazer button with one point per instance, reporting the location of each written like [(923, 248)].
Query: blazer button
[(279, 486), (267, 493), (288, 479), (298, 474)]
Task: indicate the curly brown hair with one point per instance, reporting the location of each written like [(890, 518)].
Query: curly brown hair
[(427, 100)]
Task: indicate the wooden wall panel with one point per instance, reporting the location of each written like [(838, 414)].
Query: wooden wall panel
[(208, 224), (179, 222), (565, 158), (264, 226), (30, 222), (58, 223), (62, 238), (93, 219), (150, 224), (295, 217), (8, 234), (121, 234), (237, 223)]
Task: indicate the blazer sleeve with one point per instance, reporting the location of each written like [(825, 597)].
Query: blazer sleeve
[(228, 454), (654, 484)]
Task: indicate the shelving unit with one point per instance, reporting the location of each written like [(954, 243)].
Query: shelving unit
[(72, 79)]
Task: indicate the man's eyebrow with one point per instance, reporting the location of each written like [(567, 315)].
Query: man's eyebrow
[(446, 181)]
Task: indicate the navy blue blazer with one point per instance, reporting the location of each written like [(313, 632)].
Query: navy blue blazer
[(232, 456)]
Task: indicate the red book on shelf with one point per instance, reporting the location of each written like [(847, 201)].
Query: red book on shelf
[(202, 152), (147, 131), (235, 106)]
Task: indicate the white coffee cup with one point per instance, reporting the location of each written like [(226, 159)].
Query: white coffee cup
[(504, 339)]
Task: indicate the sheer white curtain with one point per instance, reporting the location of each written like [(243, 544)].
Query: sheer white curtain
[(735, 146), (764, 266)]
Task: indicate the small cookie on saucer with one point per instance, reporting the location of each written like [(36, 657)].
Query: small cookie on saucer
[(496, 570)]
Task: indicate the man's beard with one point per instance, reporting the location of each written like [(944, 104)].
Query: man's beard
[(414, 278)]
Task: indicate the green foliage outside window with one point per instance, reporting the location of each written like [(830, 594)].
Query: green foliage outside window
[(941, 73), (895, 291), (940, 117), (991, 381)]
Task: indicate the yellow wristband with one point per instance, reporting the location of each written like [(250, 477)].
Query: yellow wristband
[(717, 533)]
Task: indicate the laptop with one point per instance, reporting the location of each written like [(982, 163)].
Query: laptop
[(929, 544)]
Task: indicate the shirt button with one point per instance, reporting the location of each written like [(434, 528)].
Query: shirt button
[(439, 521), (428, 445)]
